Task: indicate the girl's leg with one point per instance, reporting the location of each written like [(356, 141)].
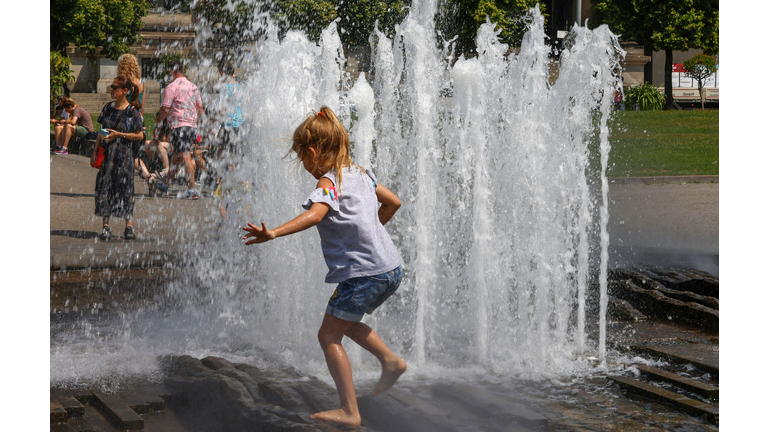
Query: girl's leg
[(331, 332), (392, 366)]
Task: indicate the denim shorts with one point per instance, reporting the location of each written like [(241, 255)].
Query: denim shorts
[(357, 296)]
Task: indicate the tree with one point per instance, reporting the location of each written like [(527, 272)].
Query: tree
[(60, 74), (112, 25), (700, 67), (663, 25), (231, 21), (356, 18), (462, 18)]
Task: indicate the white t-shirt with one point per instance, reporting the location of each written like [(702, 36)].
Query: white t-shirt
[(354, 242)]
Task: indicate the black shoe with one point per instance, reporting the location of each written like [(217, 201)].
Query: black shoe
[(129, 234), (106, 234)]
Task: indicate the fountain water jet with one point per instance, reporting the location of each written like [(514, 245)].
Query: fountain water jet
[(494, 230), (497, 212)]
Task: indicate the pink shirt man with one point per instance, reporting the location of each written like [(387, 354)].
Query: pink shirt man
[(182, 99)]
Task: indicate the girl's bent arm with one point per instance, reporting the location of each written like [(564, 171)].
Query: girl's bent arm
[(389, 203), (308, 219)]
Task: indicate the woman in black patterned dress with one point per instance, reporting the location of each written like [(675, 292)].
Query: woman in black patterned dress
[(114, 182)]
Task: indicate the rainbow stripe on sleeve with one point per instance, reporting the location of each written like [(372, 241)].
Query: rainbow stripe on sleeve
[(331, 192)]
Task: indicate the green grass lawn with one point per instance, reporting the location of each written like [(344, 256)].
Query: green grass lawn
[(645, 143), (664, 143)]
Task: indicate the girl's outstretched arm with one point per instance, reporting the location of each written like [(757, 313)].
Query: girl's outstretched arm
[(389, 203), (308, 219)]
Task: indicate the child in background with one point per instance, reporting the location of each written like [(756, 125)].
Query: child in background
[(359, 253)]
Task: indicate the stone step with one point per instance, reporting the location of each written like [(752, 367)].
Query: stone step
[(490, 406), (623, 310), (682, 279), (694, 386), (67, 400), (701, 356), (683, 403), (142, 402), (81, 424), (58, 413), (116, 410), (646, 282), (655, 303), (94, 102)]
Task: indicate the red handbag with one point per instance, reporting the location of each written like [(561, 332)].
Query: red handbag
[(99, 158)]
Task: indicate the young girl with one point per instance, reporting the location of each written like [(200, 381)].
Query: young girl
[(359, 253)]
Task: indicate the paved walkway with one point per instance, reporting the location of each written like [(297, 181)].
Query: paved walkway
[(663, 221), (162, 225)]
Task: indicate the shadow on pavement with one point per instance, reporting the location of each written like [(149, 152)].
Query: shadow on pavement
[(72, 195), (75, 234)]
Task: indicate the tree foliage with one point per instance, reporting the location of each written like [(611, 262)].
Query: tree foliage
[(111, 24), (462, 18), (700, 67), (663, 25), (60, 74), (231, 21), (310, 16), (356, 18)]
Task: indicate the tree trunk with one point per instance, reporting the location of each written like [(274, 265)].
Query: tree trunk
[(701, 93), (668, 78)]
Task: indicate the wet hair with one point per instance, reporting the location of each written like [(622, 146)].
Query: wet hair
[(126, 83), (67, 102), (323, 132), (128, 65)]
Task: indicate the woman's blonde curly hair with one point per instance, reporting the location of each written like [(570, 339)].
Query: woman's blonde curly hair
[(128, 66)]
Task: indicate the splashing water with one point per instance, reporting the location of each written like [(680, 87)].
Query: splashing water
[(491, 162)]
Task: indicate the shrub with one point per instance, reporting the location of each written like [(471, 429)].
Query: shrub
[(647, 96)]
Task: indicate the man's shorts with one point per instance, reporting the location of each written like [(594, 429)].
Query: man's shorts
[(228, 140), (182, 138), (357, 296), (80, 131)]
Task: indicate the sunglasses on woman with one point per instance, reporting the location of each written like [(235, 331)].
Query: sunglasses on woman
[(114, 87)]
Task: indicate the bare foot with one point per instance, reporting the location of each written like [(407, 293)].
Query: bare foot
[(338, 416), (390, 372)]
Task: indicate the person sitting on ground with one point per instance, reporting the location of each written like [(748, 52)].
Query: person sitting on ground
[(159, 145), (78, 123)]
